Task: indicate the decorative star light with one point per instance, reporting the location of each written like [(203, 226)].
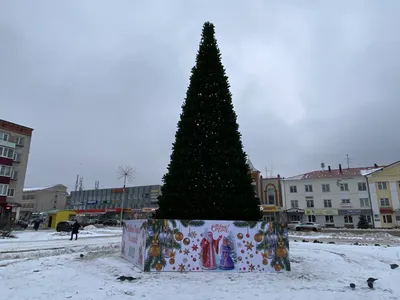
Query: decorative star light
[(186, 252), (195, 247), (251, 268), (172, 254)]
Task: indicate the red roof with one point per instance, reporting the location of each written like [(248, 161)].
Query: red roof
[(335, 173)]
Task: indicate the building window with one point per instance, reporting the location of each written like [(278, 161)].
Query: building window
[(11, 193), (17, 157), (348, 219), (327, 203), (362, 186), (346, 201), (329, 219), (308, 188), (4, 136), (5, 171), (310, 203), (364, 202), (387, 219), (344, 187), (3, 189), (295, 218), (294, 203), (293, 189), (6, 152), (385, 202), (398, 184), (20, 141), (326, 188), (311, 218), (270, 196), (382, 185), (369, 218)]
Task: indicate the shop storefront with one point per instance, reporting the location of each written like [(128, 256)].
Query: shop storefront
[(324, 217), (349, 217), (270, 213), (295, 215)]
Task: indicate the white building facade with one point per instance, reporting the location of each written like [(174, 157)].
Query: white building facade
[(331, 198)]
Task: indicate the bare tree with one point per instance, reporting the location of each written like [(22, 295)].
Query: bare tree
[(126, 172)]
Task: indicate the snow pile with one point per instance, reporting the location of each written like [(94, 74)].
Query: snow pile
[(91, 227)]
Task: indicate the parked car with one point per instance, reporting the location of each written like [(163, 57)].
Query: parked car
[(309, 226), (111, 222), (65, 226), (292, 225)]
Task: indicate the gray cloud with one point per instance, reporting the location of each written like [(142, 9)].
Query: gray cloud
[(103, 84)]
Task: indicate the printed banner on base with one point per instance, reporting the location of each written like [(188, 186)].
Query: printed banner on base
[(214, 246), (134, 242)]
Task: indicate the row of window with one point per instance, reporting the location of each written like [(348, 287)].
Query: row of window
[(387, 219), (364, 202), (348, 219), (6, 191), (10, 153), (4, 136), (7, 171), (344, 187)]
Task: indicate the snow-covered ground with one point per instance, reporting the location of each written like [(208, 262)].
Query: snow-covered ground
[(319, 271), (366, 237)]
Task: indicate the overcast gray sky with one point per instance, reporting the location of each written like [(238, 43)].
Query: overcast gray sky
[(102, 82)]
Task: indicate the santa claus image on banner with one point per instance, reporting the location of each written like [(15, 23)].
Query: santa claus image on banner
[(209, 250)]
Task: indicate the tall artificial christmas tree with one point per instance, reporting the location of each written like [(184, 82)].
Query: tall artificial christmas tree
[(208, 177)]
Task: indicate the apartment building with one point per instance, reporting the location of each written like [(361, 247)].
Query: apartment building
[(15, 141), (43, 199), (332, 197), (137, 198), (384, 186)]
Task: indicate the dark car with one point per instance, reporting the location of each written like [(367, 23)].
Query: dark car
[(65, 226), (111, 222)]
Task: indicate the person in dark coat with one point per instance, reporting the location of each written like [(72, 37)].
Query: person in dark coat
[(75, 230), (36, 224)]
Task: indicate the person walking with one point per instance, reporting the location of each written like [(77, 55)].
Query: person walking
[(75, 230)]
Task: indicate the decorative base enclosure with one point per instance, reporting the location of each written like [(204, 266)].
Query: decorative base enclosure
[(196, 246)]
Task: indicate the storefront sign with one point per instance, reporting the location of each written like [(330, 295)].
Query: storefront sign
[(352, 212), (92, 202), (120, 190), (322, 212), (269, 208), (295, 211), (386, 210), (106, 202)]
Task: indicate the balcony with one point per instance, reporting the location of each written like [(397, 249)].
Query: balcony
[(14, 175), (8, 144)]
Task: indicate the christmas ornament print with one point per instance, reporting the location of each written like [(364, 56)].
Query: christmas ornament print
[(186, 241), (154, 249), (281, 251), (239, 236), (158, 267), (179, 236), (258, 237), (171, 261), (265, 261), (277, 267)]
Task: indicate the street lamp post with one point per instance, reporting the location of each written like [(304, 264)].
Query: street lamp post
[(126, 173)]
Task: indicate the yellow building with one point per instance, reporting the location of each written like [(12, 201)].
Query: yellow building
[(56, 216), (384, 188)]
